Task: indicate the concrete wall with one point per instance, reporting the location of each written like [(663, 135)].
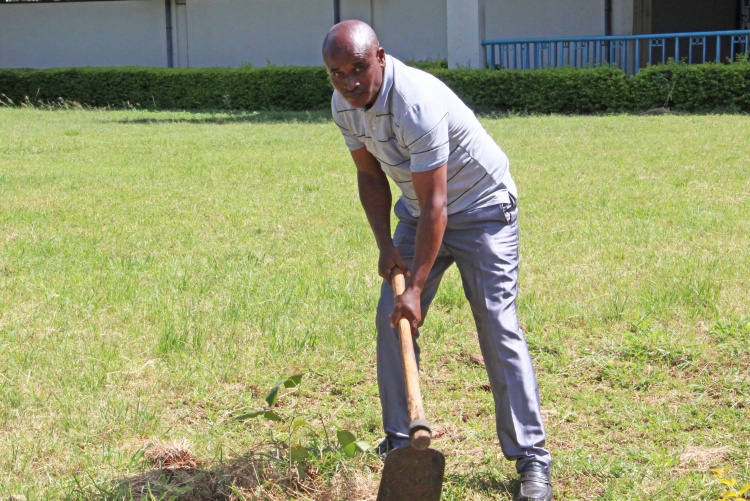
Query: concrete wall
[(622, 17), (543, 18), (466, 30), (233, 33), (45, 35), (259, 32), (413, 31), (356, 9)]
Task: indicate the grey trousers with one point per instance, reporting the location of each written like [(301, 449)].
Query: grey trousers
[(484, 245)]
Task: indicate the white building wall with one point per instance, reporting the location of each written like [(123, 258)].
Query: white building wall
[(622, 17), (48, 35), (411, 32), (258, 32), (543, 18), (232, 33), (466, 24), (360, 10), (414, 33), (180, 55)]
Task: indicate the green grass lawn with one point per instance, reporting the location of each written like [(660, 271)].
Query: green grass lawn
[(161, 271)]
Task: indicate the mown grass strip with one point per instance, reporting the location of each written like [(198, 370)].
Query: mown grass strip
[(159, 272)]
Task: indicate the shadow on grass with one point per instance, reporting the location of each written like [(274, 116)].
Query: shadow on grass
[(227, 117), (156, 116), (487, 485), (257, 476)]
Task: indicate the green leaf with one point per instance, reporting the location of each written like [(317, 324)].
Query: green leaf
[(348, 442), (272, 416), (273, 395), (290, 382), (293, 381), (266, 414), (345, 438), (362, 446), (299, 423), (249, 415), (302, 470), (298, 453), (350, 450)]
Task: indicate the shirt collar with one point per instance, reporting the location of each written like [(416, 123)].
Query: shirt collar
[(381, 104)]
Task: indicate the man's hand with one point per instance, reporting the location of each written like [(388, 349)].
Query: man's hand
[(375, 196), (408, 306), (391, 258), (431, 188)]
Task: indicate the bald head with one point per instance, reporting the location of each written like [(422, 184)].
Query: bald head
[(350, 38), (355, 62)]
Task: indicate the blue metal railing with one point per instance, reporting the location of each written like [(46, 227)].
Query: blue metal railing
[(627, 52)]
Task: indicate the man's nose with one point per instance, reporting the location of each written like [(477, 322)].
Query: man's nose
[(351, 83)]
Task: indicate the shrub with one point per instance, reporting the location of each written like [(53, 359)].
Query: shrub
[(429, 64), (693, 88), (558, 90), (271, 88)]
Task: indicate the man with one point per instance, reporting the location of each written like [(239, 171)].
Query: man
[(457, 204)]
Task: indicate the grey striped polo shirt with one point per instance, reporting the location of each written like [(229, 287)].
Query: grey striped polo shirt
[(417, 124)]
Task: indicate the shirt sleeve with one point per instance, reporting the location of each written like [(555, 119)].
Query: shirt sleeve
[(425, 134)]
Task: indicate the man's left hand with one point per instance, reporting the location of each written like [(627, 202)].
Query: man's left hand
[(408, 306)]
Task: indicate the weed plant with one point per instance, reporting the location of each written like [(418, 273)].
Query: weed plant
[(160, 271)]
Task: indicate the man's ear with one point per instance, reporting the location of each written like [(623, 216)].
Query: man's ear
[(381, 56)]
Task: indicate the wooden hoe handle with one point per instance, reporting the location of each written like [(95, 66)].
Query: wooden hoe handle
[(419, 430)]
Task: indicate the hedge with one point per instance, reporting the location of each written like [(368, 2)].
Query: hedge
[(271, 88), (691, 88), (559, 90)]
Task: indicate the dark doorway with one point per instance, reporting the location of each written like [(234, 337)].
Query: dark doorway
[(677, 16), (681, 16)]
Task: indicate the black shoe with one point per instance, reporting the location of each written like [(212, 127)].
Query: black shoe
[(384, 448), (535, 483)]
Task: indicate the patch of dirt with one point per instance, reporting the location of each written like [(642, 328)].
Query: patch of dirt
[(171, 456), (673, 398), (477, 359), (702, 458), (548, 414), (447, 432)]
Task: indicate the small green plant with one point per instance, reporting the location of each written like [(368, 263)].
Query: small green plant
[(742, 58), (721, 474), (429, 64), (290, 452)]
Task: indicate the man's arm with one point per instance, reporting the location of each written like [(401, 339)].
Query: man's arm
[(431, 188), (375, 196)]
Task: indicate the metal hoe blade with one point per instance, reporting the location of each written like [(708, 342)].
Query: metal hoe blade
[(412, 475)]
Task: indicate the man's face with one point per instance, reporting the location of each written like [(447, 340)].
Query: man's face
[(356, 74)]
